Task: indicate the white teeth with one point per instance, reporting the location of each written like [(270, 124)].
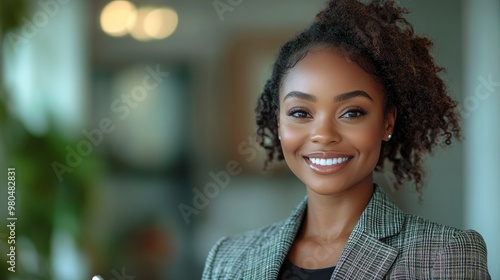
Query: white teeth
[(327, 162)]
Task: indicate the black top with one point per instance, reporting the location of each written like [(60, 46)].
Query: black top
[(289, 271)]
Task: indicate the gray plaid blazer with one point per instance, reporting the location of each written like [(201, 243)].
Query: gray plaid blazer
[(385, 244)]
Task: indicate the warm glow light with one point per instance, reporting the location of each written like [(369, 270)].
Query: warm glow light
[(160, 23), (117, 16), (137, 30), (121, 17)]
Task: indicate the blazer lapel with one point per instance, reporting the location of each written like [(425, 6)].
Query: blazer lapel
[(264, 262), (365, 256)]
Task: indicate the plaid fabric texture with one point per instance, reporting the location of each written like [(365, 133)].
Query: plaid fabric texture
[(385, 244)]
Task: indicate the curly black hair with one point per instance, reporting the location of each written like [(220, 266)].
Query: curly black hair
[(379, 39)]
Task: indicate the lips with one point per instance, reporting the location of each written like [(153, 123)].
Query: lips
[(327, 162)]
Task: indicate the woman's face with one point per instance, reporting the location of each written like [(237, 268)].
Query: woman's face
[(331, 122)]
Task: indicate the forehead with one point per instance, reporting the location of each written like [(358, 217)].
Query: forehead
[(329, 70)]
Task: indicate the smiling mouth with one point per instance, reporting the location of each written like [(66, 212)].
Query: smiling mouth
[(327, 165)]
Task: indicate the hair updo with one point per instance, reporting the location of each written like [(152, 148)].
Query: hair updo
[(380, 40)]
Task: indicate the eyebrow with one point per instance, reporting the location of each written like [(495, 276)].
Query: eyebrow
[(352, 94), (338, 98), (300, 95)]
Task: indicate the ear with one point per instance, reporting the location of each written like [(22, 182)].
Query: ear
[(390, 120)]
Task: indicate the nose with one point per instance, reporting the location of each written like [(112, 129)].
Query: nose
[(325, 132)]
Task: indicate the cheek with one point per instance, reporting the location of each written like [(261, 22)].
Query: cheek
[(292, 137), (367, 138)]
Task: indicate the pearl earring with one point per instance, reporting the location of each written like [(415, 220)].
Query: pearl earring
[(389, 136)]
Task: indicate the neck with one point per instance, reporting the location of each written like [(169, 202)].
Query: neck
[(330, 217)]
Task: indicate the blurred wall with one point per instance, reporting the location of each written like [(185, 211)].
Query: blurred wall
[(480, 108)]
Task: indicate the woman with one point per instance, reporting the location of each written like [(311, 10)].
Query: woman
[(354, 90)]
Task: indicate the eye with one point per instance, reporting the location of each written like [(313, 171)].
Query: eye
[(298, 113), (354, 113)]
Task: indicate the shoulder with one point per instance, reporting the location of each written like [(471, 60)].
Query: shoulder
[(402, 230), (231, 254), (418, 229), (464, 256), (451, 253), (248, 240), (230, 250), (423, 228), (426, 249)]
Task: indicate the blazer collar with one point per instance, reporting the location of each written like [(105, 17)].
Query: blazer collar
[(380, 219), (365, 255)]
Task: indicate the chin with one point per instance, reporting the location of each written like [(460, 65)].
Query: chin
[(327, 187)]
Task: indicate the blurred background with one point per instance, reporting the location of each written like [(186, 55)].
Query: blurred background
[(130, 125)]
